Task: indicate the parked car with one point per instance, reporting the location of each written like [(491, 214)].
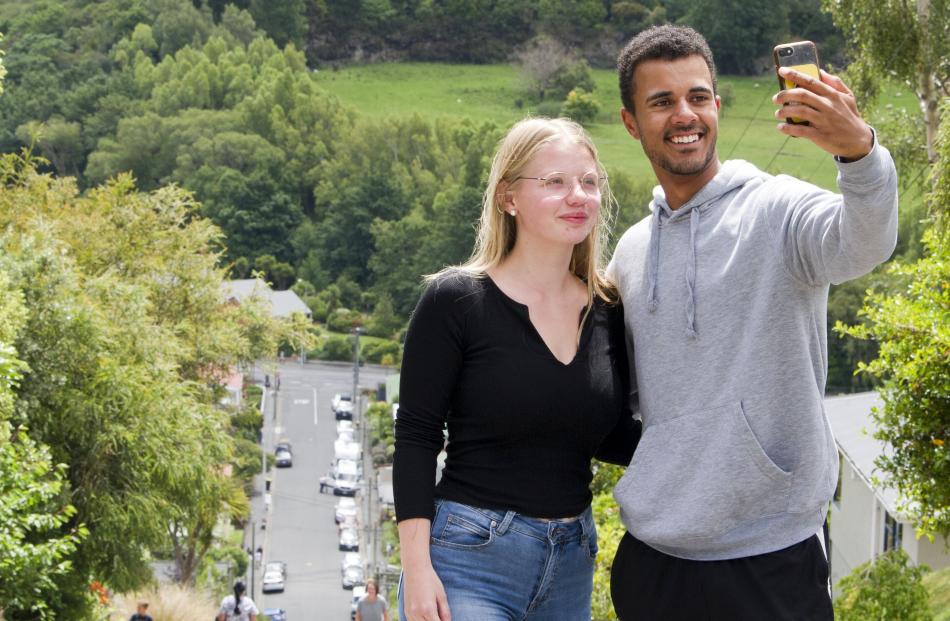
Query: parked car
[(344, 425), (280, 566), (351, 559), (283, 458), (341, 399), (358, 592), (344, 412), (349, 465), (345, 507), (352, 576), (347, 450), (275, 614), (349, 540), (273, 581), (346, 435), (346, 479)]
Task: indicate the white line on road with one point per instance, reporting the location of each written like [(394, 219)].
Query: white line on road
[(314, 406)]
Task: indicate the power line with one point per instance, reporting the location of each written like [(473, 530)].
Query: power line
[(782, 146), (749, 124)]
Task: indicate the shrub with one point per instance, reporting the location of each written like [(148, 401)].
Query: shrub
[(344, 320), (887, 588), (580, 106)]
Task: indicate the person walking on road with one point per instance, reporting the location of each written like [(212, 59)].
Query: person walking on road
[(371, 607), (238, 607), (520, 353)]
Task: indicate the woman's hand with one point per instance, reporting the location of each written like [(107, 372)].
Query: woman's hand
[(422, 592), (423, 595)]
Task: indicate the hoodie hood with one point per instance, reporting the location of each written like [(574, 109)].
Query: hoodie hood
[(732, 175)]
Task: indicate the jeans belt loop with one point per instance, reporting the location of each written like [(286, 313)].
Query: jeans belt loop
[(505, 523)]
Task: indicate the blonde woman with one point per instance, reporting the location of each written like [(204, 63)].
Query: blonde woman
[(520, 354)]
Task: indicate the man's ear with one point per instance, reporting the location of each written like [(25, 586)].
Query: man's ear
[(718, 103), (630, 123)]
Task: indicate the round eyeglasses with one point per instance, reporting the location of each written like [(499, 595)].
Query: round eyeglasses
[(559, 184)]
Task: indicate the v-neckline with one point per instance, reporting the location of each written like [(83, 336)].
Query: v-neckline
[(526, 311)]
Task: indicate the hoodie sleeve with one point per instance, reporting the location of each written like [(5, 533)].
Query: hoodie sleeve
[(830, 238)]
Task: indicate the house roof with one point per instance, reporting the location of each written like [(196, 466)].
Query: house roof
[(282, 303), (850, 418), (285, 303)]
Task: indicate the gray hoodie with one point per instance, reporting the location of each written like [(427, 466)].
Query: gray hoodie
[(725, 299)]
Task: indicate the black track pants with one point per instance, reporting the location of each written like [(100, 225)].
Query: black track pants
[(789, 584)]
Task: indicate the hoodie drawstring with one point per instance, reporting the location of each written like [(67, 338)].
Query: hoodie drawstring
[(691, 275), (654, 259), (653, 268)]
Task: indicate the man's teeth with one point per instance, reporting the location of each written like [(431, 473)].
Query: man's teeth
[(685, 139)]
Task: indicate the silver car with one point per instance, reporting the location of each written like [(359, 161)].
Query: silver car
[(273, 581)]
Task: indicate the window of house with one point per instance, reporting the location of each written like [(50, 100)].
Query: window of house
[(893, 532)]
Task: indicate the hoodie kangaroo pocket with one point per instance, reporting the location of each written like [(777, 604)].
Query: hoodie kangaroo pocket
[(699, 476)]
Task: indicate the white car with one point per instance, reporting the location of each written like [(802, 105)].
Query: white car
[(347, 450), (346, 435), (351, 559), (358, 592), (345, 508), (273, 581), (349, 541), (278, 566), (346, 481), (353, 576), (345, 425), (341, 399)]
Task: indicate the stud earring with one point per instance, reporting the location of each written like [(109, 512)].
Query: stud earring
[(513, 212)]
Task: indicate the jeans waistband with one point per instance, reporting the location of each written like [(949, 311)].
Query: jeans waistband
[(579, 525)]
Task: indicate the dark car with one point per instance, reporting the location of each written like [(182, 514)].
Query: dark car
[(275, 614)]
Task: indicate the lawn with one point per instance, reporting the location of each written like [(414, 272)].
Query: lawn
[(938, 583), (497, 93)]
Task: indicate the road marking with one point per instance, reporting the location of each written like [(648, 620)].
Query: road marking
[(277, 430), (315, 421), (301, 401)]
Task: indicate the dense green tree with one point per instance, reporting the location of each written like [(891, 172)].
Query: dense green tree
[(910, 320), (34, 542), (741, 33), (283, 20), (126, 339)]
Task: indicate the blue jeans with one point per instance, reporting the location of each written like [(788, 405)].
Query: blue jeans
[(502, 566)]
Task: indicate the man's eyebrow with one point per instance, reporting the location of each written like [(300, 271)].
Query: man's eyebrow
[(658, 95), (662, 94)]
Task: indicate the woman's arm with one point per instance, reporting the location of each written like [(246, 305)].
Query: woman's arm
[(423, 595)]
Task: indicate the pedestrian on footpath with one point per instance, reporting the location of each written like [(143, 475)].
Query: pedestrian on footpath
[(520, 354), (725, 293), (371, 607)]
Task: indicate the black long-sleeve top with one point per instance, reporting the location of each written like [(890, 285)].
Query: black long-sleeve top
[(522, 425)]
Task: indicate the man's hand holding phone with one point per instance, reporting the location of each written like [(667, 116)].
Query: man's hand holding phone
[(829, 107)]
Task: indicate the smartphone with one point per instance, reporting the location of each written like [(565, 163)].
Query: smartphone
[(801, 56)]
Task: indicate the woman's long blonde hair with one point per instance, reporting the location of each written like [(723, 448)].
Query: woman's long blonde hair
[(497, 231)]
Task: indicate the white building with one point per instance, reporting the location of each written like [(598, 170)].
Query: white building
[(865, 521)]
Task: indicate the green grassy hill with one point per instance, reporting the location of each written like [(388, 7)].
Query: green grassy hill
[(493, 92)]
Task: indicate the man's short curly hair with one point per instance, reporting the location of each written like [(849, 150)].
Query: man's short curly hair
[(660, 43)]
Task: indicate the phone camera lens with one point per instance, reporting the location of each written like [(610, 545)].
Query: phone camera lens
[(785, 51)]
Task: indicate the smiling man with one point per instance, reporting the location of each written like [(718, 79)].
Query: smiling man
[(725, 290)]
